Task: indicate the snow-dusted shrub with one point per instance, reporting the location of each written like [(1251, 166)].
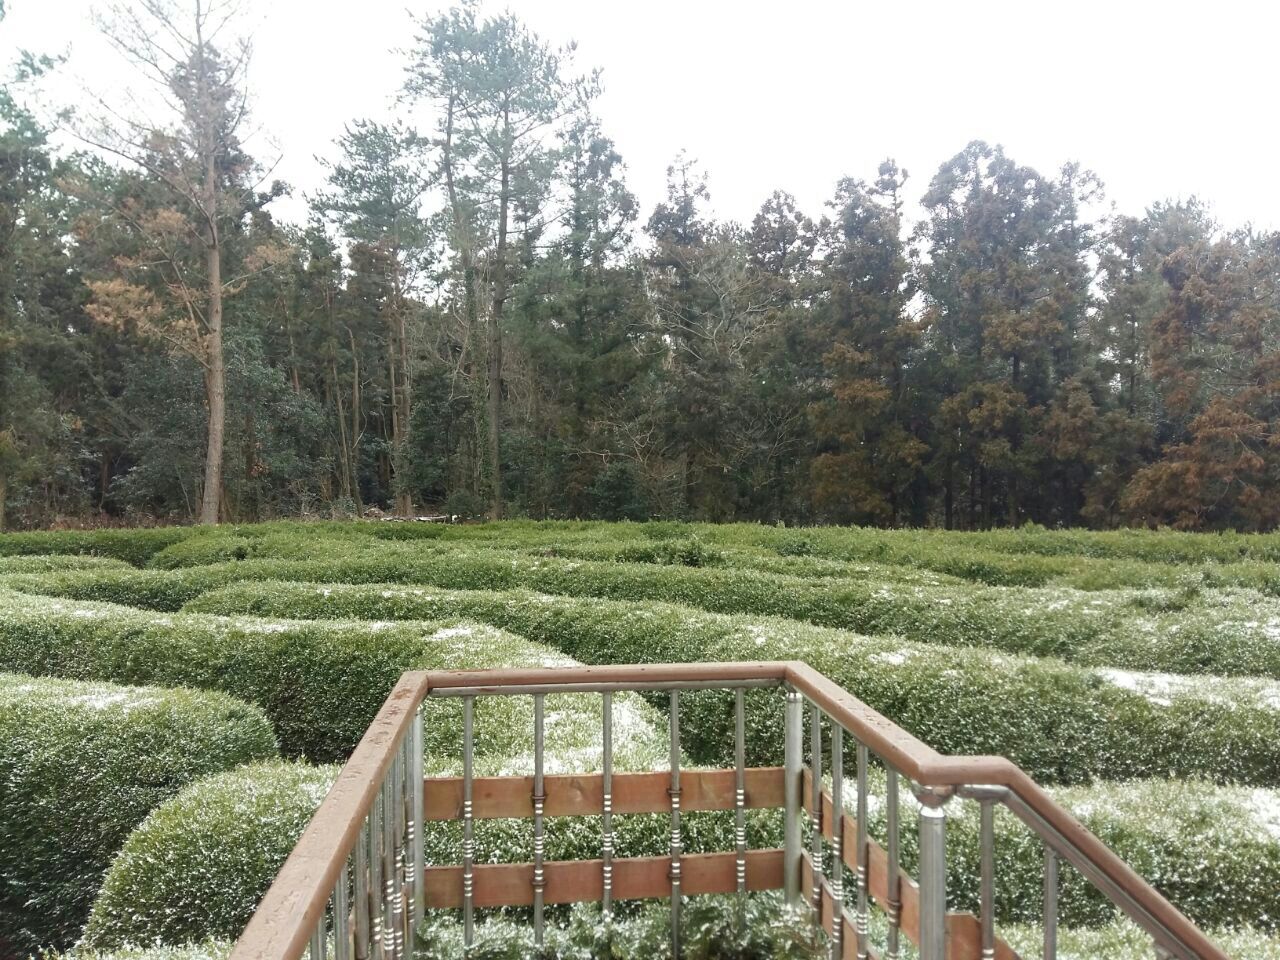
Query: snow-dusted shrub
[(1185, 631), (1060, 722), (206, 950), (196, 868), (1213, 851), (1122, 940), (45, 563), (320, 683), (81, 764), (134, 547)]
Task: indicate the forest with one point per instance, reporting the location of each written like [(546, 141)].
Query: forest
[(478, 318)]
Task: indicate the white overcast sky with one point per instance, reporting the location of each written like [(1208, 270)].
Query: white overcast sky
[(1161, 99)]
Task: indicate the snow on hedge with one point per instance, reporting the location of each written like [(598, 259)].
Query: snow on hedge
[(1060, 722), (81, 764)]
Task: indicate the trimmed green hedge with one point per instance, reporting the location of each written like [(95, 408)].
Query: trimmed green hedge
[(1124, 941), (1194, 631), (134, 547), (208, 950), (198, 865), (320, 683), (1213, 851), (1059, 722), (47, 563), (81, 764)]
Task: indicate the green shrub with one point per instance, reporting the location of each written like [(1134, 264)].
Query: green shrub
[(1213, 851), (134, 547), (320, 683), (712, 928), (45, 563), (1187, 631), (81, 765), (208, 950), (196, 868), (1059, 722), (1122, 940)]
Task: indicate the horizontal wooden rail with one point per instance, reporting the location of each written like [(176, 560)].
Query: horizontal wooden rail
[(578, 881), (569, 795)]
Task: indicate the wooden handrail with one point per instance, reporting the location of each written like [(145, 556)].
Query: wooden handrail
[(282, 925)]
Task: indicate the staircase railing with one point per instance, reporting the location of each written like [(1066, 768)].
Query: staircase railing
[(357, 884)]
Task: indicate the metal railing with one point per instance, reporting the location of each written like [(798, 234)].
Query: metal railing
[(357, 883)]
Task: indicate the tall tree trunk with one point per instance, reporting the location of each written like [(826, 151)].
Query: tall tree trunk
[(215, 390), (4, 490), (495, 340)]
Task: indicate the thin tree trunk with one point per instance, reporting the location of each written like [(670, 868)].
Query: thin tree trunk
[(495, 341), (4, 490), (215, 391)]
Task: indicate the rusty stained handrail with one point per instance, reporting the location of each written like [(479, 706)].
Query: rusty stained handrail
[(283, 923)]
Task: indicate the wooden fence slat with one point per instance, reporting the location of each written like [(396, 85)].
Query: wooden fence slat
[(583, 794), (576, 881)]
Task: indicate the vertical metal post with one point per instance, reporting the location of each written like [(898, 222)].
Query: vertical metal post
[(342, 915), (399, 806), (606, 842), (1050, 904), (862, 920), (676, 842), (740, 792), (539, 804), (815, 806), (317, 940), (417, 825), (468, 825), (933, 879), (894, 907), (375, 879), (390, 877), (362, 893), (792, 748), (837, 841), (987, 844)]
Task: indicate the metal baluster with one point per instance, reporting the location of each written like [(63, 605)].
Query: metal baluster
[(793, 739), (375, 879), (815, 803), (894, 906), (400, 807), (417, 825), (987, 842), (1050, 904), (933, 878), (317, 940), (740, 795), (390, 878), (606, 842), (837, 841), (863, 920), (362, 893), (676, 843), (342, 915), (468, 839), (539, 803)]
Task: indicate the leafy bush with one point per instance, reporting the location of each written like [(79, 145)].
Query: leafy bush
[(44, 563), (207, 950), (1122, 940), (81, 765), (1213, 851), (1183, 631), (134, 547), (1059, 722), (710, 930), (218, 844), (320, 683)]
